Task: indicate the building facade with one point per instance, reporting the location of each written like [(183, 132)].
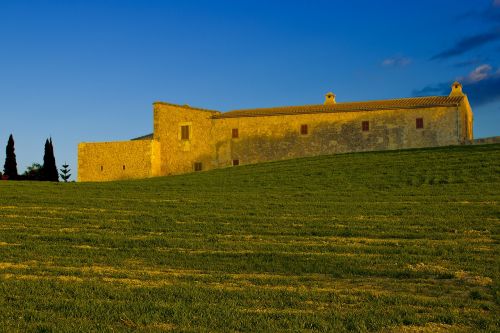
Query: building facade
[(187, 139)]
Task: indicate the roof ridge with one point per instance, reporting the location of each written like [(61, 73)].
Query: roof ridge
[(185, 106), (341, 103), (397, 103)]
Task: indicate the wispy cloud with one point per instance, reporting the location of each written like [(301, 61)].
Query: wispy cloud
[(467, 44), (482, 86), (479, 73), (396, 61)]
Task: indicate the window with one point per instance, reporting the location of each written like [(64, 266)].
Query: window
[(236, 162), (365, 125), (303, 129), (185, 132), (102, 168), (124, 167), (235, 133), (420, 122), (198, 166)]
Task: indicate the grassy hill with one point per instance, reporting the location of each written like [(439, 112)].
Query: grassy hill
[(388, 241)]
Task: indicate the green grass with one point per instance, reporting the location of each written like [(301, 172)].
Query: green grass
[(388, 241)]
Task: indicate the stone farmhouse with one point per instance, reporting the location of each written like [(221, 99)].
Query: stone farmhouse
[(188, 139)]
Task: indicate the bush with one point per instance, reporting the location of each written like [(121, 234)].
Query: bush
[(33, 172)]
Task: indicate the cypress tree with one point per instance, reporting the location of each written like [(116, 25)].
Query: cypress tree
[(44, 173), (49, 170), (10, 166), (54, 174)]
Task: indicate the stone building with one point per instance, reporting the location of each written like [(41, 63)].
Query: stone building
[(187, 139)]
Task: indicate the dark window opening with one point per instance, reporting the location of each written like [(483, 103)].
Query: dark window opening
[(303, 129), (365, 125), (235, 133), (420, 122), (185, 132), (124, 167), (198, 166), (102, 168), (236, 162)]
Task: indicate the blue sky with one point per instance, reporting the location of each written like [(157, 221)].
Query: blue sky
[(90, 70)]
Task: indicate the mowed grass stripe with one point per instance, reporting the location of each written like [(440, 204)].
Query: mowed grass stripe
[(366, 242)]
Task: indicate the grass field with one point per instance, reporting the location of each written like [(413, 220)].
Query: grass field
[(391, 241)]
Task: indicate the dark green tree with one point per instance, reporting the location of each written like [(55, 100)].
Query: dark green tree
[(10, 166), (49, 169), (65, 172), (33, 172)]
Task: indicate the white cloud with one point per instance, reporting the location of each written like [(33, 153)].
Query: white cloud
[(480, 73), (397, 61)]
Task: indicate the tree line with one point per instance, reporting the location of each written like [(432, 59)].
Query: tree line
[(46, 172)]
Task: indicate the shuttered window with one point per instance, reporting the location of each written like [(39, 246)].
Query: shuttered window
[(365, 125), (420, 123), (198, 166), (303, 129), (236, 162), (235, 133), (185, 132)]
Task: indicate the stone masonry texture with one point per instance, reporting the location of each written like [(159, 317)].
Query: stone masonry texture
[(273, 135)]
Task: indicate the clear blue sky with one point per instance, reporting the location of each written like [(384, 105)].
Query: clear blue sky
[(90, 70)]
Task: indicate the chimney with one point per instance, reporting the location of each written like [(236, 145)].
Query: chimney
[(456, 89), (330, 99)]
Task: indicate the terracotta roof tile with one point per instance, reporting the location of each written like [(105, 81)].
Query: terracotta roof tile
[(390, 104)]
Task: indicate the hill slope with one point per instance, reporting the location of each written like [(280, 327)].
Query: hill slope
[(370, 241)]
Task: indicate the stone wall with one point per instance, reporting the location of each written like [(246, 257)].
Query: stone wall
[(266, 138), (466, 122), (177, 155), (278, 137), (104, 161)]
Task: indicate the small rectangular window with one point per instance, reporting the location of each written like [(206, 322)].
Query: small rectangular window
[(420, 122), (365, 125), (124, 167), (236, 162), (235, 133), (185, 132), (303, 129), (198, 166), (102, 168)]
